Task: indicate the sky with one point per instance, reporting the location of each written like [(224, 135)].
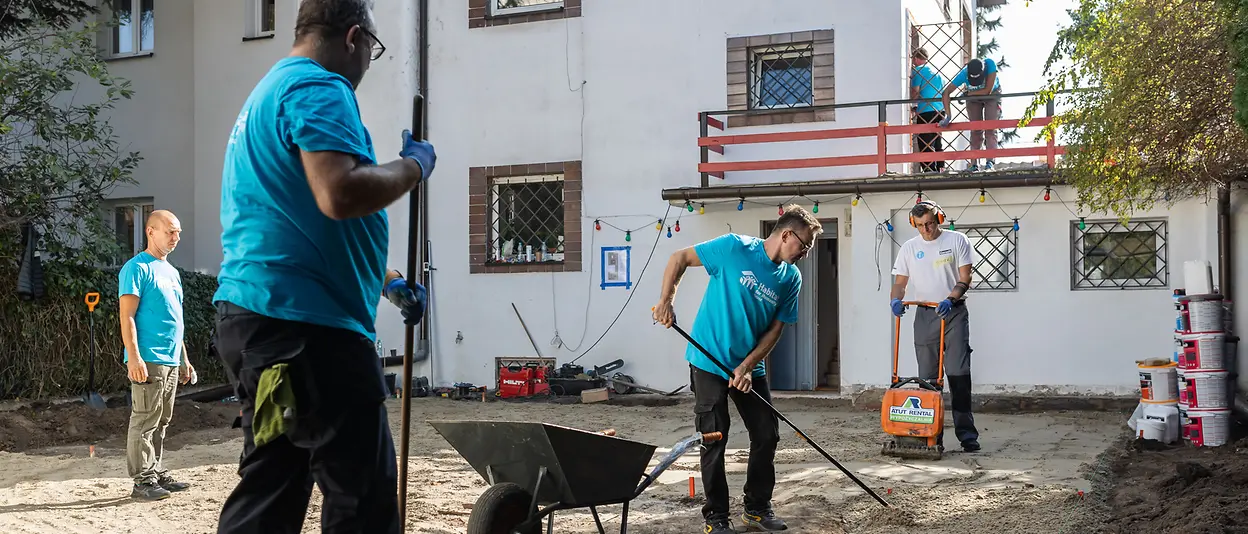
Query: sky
[(1026, 37)]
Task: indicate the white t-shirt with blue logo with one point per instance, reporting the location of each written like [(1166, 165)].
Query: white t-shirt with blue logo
[(746, 293), (932, 265)]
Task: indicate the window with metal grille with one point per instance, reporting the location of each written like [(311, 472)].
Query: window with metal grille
[(1109, 254), (994, 257), (782, 76), (513, 7), (526, 219)]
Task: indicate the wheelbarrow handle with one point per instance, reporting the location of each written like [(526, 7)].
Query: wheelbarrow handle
[(608, 432), (710, 437)]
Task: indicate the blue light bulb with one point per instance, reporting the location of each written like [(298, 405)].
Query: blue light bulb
[(740, 205)]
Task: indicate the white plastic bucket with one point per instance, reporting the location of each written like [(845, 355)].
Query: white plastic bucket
[(1204, 313), (1159, 382), (1207, 390), (1167, 415), (1155, 430), (1209, 428), (1203, 351), (1184, 422)]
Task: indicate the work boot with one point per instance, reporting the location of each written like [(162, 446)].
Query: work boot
[(719, 526), (970, 445), (149, 491), (763, 520), (169, 484)]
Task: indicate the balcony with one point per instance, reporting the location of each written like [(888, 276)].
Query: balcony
[(869, 147)]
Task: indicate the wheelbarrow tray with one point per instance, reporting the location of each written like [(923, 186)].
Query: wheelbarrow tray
[(577, 468)]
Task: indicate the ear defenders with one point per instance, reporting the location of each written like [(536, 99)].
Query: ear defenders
[(940, 213)]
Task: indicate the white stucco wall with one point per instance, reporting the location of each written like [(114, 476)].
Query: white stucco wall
[(158, 121)]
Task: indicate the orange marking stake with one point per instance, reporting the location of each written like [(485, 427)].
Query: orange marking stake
[(93, 451), (690, 487)]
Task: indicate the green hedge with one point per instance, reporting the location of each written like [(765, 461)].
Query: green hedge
[(45, 344)]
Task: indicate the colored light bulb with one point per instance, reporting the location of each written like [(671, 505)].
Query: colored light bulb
[(1046, 194), (888, 225), (658, 225), (815, 209), (1015, 225), (854, 202), (740, 205), (689, 206), (702, 209), (918, 198), (628, 235), (981, 196), (669, 233), (1082, 224), (597, 225), (677, 227), (951, 225), (779, 210)]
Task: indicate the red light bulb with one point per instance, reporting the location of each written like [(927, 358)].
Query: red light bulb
[(597, 225), (677, 227), (1046, 195), (779, 210)]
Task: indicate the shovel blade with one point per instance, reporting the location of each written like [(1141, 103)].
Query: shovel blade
[(94, 400)]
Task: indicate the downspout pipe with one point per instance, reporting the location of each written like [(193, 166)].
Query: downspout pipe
[(1226, 283), (421, 241)]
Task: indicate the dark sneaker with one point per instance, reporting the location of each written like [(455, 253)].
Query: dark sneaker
[(970, 445), (170, 484), (149, 491), (719, 526), (763, 520)]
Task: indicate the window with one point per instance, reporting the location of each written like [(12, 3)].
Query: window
[(1109, 254), (525, 218), (485, 13), (261, 18), (134, 27), (785, 74), (781, 76), (127, 218), (994, 257)]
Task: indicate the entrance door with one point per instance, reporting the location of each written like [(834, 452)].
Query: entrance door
[(806, 356)]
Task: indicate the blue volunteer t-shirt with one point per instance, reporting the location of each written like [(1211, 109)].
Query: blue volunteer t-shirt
[(746, 292), (159, 316), (283, 257), (990, 67), (930, 85)]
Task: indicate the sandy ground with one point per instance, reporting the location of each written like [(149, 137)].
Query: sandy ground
[(1029, 473)]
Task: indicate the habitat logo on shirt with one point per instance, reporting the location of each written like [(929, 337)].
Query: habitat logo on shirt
[(761, 291)]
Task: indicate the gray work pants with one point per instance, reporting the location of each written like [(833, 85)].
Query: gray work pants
[(957, 361), (151, 409)]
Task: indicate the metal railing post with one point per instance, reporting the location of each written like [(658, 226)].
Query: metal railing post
[(703, 130), (881, 146)]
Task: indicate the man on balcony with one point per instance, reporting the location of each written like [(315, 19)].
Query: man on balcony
[(925, 82), (979, 79)]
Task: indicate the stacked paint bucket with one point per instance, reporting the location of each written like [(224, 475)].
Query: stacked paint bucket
[(1205, 391)]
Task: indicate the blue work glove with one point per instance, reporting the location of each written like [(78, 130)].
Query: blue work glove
[(419, 151), (944, 123), (943, 308), (898, 308), (409, 297)]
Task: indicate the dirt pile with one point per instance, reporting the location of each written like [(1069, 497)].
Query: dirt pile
[(44, 424), (1180, 489)]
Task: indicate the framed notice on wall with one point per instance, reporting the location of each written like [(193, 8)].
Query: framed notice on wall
[(616, 267)]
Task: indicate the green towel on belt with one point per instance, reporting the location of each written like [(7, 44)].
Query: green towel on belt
[(275, 405)]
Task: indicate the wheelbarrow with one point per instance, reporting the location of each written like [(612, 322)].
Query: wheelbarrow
[(530, 464)]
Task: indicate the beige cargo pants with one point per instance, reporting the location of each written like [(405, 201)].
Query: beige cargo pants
[(150, 412)]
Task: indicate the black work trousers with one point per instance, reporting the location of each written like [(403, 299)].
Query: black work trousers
[(931, 142), (711, 393), (340, 438)]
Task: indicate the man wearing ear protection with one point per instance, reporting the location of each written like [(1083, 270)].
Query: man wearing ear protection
[(936, 267)]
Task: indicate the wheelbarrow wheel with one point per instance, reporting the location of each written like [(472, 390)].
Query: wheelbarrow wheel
[(501, 509)]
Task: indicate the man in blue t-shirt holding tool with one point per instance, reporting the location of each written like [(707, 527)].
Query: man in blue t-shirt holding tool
[(925, 82), (751, 295), (305, 237)]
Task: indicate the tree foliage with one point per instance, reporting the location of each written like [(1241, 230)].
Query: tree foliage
[(18, 17), (1239, 52), (60, 157), (1151, 117)]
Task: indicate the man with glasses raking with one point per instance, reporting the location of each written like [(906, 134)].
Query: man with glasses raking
[(305, 237), (751, 295), (936, 267)]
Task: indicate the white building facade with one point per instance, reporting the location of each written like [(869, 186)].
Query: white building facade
[(567, 125)]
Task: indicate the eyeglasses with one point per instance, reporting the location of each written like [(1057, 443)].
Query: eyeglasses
[(805, 246), (378, 48)]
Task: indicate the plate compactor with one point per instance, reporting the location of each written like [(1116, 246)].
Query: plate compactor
[(914, 417)]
